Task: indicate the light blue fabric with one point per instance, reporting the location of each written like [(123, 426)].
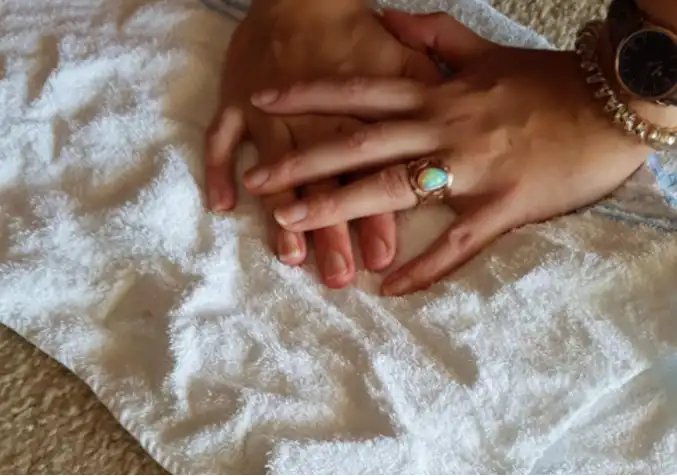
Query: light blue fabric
[(664, 168)]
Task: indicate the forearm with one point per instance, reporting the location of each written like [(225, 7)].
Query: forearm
[(304, 8), (658, 12), (663, 12)]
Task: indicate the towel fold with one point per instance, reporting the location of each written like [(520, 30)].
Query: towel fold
[(552, 351)]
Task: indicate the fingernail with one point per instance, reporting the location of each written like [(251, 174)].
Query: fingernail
[(397, 287), (291, 214), (288, 247), (216, 204), (335, 265), (378, 252), (219, 203), (266, 97), (256, 177)]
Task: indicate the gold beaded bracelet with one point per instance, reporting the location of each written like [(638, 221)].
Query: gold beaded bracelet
[(659, 138)]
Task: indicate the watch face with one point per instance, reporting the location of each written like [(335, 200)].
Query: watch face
[(647, 63)]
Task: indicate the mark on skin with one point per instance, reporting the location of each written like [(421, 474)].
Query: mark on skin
[(459, 238), (395, 183)]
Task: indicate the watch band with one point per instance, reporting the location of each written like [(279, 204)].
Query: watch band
[(623, 19), (621, 113)]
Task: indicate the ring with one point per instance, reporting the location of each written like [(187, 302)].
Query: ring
[(430, 179)]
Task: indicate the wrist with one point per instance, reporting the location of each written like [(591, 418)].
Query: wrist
[(656, 114), (661, 12)]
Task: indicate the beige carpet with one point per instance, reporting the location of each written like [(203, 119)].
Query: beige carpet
[(50, 422)]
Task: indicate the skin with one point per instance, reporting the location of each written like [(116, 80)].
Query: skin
[(661, 9), (518, 128), (280, 43)]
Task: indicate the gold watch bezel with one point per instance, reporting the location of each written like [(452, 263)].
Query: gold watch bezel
[(645, 29)]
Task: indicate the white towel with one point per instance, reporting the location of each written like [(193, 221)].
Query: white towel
[(553, 351)]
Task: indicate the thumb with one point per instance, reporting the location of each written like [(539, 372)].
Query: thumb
[(436, 33), (471, 232)]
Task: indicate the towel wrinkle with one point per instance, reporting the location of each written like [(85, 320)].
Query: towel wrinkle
[(220, 359)]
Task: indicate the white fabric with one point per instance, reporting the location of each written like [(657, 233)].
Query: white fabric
[(553, 351)]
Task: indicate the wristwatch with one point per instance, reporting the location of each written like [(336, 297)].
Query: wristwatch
[(645, 54)]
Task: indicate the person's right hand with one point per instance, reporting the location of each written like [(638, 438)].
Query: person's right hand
[(519, 130), (282, 42)]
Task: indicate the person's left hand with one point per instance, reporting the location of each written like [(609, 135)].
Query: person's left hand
[(518, 129), (279, 43)]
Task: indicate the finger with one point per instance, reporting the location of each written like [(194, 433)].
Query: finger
[(289, 247), (461, 242), (377, 236), (367, 98), (223, 136), (439, 33), (386, 191), (333, 249), (274, 139), (369, 147)]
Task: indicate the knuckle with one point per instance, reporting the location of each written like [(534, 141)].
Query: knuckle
[(502, 140), (293, 90), (355, 88), (364, 137), (394, 182), (460, 239), (287, 168), (325, 206), (358, 140)]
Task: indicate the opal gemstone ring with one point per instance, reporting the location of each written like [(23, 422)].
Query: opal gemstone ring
[(430, 179)]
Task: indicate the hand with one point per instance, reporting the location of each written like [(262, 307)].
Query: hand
[(518, 129), (279, 43)]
